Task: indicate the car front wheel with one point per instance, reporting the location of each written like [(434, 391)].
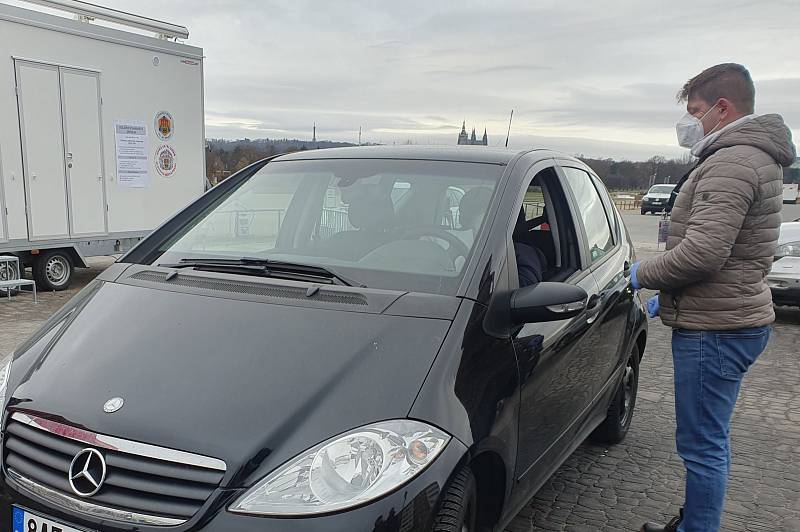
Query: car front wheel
[(458, 512), (620, 411)]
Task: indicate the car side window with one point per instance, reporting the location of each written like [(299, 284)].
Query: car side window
[(609, 205), (542, 235), (592, 211)]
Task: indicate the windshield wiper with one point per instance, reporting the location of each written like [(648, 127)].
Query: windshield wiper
[(267, 268)]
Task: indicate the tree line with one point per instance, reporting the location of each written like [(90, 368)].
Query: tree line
[(224, 157)]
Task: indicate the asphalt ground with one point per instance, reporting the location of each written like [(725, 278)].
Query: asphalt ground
[(617, 488)]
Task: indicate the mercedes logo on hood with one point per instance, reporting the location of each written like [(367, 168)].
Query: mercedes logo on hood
[(87, 472), (113, 404)]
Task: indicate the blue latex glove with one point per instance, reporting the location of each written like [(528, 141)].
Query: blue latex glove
[(653, 306), (634, 279)]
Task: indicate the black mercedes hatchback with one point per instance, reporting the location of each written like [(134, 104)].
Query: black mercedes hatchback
[(360, 339)]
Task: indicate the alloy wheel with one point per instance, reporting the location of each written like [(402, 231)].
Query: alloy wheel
[(629, 391)]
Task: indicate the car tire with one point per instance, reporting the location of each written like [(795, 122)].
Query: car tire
[(52, 270), (644, 212), (458, 512), (618, 419)]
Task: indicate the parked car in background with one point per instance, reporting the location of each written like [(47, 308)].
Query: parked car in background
[(657, 199), (784, 278), (298, 373)]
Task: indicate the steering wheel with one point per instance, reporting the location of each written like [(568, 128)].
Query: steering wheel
[(456, 247)]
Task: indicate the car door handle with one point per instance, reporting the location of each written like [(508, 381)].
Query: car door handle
[(626, 269), (593, 307)]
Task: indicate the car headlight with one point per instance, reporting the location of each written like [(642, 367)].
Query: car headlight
[(4, 383), (790, 249), (349, 470)]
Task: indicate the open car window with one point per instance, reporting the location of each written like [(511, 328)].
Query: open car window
[(397, 224)]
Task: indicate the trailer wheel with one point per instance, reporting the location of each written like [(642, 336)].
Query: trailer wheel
[(8, 271), (52, 270)]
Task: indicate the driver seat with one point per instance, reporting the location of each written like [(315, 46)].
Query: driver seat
[(373, 216)]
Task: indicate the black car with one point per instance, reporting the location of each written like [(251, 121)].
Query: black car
[(326, 341)]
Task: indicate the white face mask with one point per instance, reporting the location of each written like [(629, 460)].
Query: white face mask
[(690, 129)]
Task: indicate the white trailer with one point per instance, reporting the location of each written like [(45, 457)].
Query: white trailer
[(101, 134)]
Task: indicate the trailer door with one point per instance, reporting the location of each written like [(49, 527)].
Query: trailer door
[(3, 223), (39, 100), (83, 155)]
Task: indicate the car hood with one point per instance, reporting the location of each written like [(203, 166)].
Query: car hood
[(790, 232), (247, 382)]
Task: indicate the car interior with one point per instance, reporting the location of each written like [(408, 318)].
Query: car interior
[(544, 223)]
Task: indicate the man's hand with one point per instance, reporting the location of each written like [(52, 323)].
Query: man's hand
[(635, 280), (653, 306)]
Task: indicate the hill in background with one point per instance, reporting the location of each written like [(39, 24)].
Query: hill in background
[(227, 156)]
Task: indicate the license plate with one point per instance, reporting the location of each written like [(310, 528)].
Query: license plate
[(25, 521)]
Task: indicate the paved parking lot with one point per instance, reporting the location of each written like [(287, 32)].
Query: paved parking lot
[(644, 228), (616, 489)]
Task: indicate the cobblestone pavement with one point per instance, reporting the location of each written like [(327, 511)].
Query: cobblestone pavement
[(617, 488)]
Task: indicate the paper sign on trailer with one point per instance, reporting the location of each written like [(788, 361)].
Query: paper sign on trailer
[(133, 162), (92, 160)]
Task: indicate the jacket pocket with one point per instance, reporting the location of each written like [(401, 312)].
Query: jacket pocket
[(737, 351)]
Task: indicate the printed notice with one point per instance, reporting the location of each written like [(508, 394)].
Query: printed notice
[(132, 154)]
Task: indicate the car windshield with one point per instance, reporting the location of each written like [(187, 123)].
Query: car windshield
[(661, 189), (396, 224)]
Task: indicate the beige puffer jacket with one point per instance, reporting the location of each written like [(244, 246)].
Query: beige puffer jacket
[(724, 232)]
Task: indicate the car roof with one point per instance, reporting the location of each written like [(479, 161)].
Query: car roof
[(473, 154)]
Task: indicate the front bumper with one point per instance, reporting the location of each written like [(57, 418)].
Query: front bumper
[(784, 281), (655, 207), (412, 507), (786, 295)]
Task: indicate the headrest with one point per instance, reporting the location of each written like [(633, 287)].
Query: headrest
[(370, 209), (473, 205)]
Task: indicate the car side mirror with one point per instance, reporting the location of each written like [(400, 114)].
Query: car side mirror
[(547, 302)]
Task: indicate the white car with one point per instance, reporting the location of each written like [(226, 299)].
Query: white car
[(784, 279), (657, 198)]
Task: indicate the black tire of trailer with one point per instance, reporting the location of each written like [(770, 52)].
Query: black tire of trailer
[(53, 269)]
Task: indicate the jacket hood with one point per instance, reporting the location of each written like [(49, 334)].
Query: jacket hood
[(765, 132)]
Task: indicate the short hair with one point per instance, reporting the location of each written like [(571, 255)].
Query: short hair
[(728, 80)]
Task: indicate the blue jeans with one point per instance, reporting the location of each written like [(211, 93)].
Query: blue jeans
[(709, 367)]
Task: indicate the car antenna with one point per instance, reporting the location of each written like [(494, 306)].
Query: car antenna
[(509, 127)]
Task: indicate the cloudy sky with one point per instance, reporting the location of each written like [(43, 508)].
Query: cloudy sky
[(583, 76)]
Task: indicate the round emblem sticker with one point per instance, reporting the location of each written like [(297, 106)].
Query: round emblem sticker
[(165, 125), (165, 160)]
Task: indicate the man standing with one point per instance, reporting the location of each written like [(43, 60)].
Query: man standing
[(713, 293)]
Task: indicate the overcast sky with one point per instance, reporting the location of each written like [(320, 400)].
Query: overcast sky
[(583, 76)]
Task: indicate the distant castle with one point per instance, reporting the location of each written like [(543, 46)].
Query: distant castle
[(471, 140)]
